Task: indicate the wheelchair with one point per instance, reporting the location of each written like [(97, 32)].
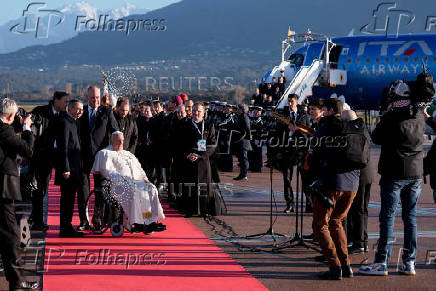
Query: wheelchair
[(107, 212)]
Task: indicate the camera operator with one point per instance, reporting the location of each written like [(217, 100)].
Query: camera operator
[(401, 135), (340, 185), (11, 145)]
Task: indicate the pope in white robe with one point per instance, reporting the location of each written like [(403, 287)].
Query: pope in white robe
[(129, 184)]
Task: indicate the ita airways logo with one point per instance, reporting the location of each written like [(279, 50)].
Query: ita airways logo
[(387, 19), (37, 20)]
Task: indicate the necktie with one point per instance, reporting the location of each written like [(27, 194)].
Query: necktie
[(92, 119)]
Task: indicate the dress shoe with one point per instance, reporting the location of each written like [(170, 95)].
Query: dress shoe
[(83, 226), (157, 226), (288, 209), (70, 233), (356, 250), (25, 285), (347, 271), (334, 273), (39, 227), (240, 177)]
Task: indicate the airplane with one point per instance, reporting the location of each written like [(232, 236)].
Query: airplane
[(356, 67)]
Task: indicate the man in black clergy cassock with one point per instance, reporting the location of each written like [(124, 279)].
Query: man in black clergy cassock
[(95, 128), (200, 194)]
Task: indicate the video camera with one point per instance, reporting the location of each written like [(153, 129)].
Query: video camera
[(419, 93), (316, 189)]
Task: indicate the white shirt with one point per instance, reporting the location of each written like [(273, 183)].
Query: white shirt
[(54, 113)]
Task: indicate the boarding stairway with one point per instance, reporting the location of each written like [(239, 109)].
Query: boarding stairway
[(303, 82)]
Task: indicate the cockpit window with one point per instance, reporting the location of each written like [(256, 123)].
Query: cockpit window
[(296, 59)]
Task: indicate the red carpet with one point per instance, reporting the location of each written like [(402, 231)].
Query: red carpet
[(180, 258)]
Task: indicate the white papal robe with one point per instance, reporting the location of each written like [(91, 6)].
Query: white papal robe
[(139, 199)]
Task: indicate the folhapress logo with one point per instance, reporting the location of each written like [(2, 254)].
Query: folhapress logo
[(388, 20), (38, 20)]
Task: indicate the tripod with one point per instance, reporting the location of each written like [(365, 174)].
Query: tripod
[(270, 231), (298, 239)]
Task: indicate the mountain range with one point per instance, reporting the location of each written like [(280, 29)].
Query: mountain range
[(10, 42)]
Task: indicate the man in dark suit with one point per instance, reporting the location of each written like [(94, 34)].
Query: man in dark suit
[(288, 152), (68, 169), (127, 124), (241, 142), (44, 121), (159, 136), (144, 148), (11, 145), (95, 128), (263, 86)]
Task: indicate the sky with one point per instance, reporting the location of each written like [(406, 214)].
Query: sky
[(13, 9)]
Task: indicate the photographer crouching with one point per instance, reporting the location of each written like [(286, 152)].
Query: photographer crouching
[(12, 145)]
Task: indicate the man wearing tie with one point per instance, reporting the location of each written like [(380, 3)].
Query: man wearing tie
[(288, 151), (95, 128)]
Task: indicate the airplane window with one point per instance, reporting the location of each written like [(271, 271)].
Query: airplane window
[(296, 59), (396, 60), (349, 60), (416, 59), (406, 59), (434, 59), (387, 60), (358, 60), (368, 60), (425, 59), (377, 60)]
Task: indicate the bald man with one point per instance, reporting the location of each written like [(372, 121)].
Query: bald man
[(95, 128)]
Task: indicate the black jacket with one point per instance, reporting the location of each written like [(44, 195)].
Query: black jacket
[(242, 133), (11, 145), (401, 136), (283, 131), (44, 124), (97, 138), (128, 127), (68, 145)]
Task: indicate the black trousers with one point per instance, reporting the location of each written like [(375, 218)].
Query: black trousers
[(43, 174), (9, 242), (82, 197), (357, 219), (69, 189), (225, 162), (255, 159), (287, 173)]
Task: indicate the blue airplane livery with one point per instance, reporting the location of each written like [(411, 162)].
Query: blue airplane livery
[(356, 67)]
